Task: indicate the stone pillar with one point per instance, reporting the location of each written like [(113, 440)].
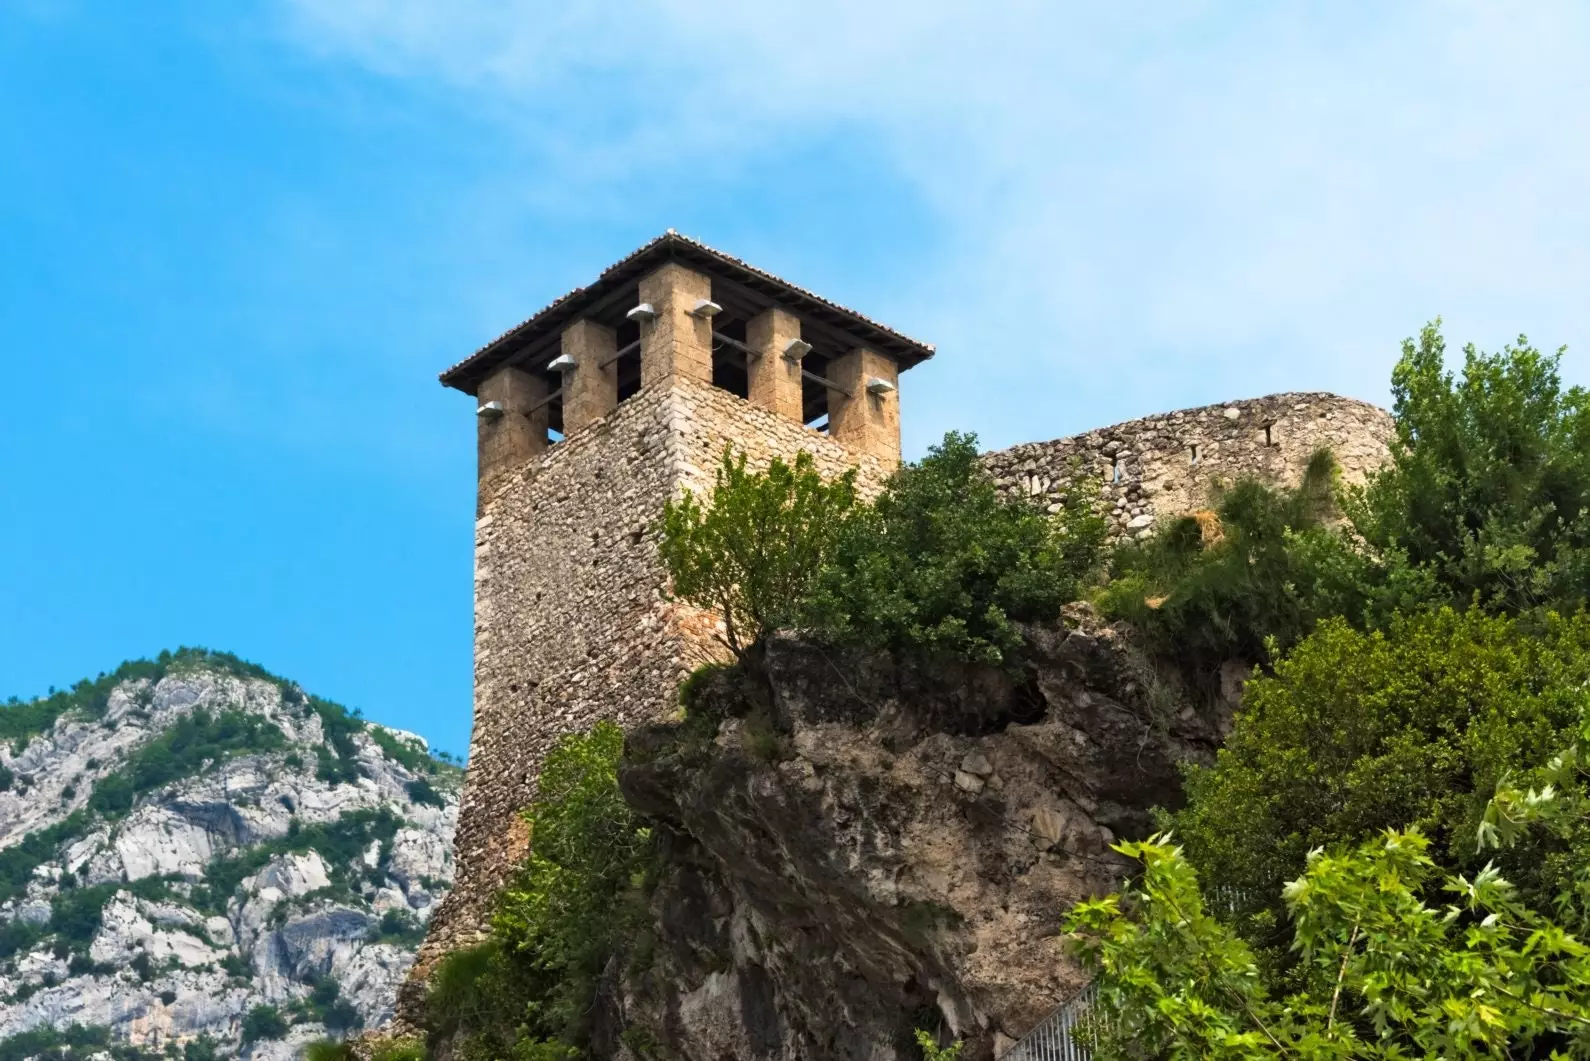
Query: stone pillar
[(775, 383), (674, 342), (590, 391), (865, 423), (506, 440)]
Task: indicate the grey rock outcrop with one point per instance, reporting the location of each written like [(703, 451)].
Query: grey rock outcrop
[(866, 847)]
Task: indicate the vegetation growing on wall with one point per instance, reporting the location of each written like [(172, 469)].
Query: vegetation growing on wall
[(941, 564), (752, 552), (1359, 732), (527, 991), (1429, 717)]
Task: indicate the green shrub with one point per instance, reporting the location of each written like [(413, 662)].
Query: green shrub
[(201, 1049), (1249, 577), (339, 764), (528, 991), (18, 862), (1360, 732), (1488, 488), (420, 790), (399, 750), (181, 750), (329, 1050), (397, 926), (943, 564), (752, 552), (398, 1050), (1384, 972), (263, 1022), (932, 1051)]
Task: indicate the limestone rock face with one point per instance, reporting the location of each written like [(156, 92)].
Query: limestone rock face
[(208, 841), (867, 847)]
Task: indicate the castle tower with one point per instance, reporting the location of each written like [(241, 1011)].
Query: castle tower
[(591, 414)]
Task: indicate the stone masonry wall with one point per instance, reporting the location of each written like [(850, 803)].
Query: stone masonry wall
[(1148, 466), (572, 624)]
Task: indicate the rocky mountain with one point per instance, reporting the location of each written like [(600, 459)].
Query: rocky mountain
[(198, 860)]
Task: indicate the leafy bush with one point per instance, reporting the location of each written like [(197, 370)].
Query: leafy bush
[(379, 1050), (263, 1022), (397, 926), (18, 862), (1488, 488), (399, 750), (1247, 577), (1486, 498), (338, 724), (76, 914), (932, 1051), (943, 564), (528, 991), (1359, 732), (420, 790), (325, 1005), (752, 553), (1382, 973), (329, 1050)]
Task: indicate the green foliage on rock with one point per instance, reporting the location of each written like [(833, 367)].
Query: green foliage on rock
[(1395, 960), (18, 862), (339, 762), (263, 1022), (932, 1051), (944, 565), (1485, 499), (1488, 488), (340, 843), (21, 720), (76, 1042), (751, 553), (527, 992), (941, 564), (181, 751), (1359, 732), (1247, 578)]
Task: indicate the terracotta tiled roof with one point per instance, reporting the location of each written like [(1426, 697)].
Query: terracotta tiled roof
[(468, 373)]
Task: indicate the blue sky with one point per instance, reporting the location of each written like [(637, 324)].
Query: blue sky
[(240, 240)]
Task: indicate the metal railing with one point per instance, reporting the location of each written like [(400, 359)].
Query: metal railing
[(1051, 1039)]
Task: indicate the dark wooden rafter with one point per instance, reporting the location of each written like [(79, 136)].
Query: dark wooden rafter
[(741, 289)]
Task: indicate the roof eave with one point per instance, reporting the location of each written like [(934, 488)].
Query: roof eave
[(467, 374)]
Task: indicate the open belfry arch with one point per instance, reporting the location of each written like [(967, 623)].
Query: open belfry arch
[(590, 415)]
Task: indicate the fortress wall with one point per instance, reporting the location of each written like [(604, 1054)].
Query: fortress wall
[(1148, 468), (572, 624)]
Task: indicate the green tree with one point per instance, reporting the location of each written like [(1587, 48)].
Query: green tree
[(943, 564), (1358, 732), (263, 1022), (1385, 973), (528, 991), (1249, 577), (752, 551), (1488, 487)]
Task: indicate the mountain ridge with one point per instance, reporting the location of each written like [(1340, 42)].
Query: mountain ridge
[(199, 859)]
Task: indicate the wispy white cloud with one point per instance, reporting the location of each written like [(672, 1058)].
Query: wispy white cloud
[(1130, 207)]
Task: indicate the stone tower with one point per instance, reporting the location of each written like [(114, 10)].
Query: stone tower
[(591, 414)]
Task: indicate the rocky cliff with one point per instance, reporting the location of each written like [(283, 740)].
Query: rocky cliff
[(197, 857), (856, 848)]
